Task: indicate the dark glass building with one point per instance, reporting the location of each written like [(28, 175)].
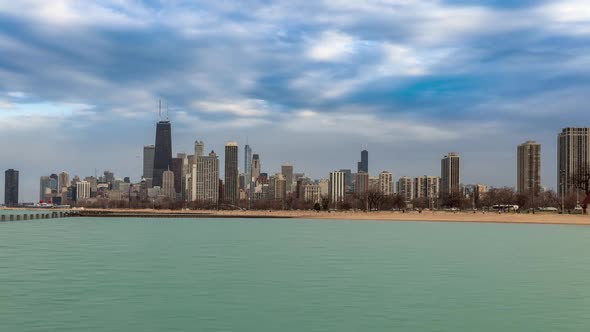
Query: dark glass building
[(163, 151), (11, 187), (231, 185), (176, 168), (363, 165)]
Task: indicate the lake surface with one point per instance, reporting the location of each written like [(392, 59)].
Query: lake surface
[(90, 274)]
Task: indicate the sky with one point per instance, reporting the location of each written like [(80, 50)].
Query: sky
[(305, 82)]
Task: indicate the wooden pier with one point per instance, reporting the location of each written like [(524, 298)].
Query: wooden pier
[(35, 215)]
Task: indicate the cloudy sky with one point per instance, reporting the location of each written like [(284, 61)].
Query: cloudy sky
[(306, 82)]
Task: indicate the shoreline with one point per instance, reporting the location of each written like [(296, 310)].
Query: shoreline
[(413, 216)]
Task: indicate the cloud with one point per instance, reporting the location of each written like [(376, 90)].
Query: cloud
[(331, 46)]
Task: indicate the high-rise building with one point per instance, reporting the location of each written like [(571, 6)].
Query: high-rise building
[(199, 148), (312, 193), (450, 174), (63, 182), (176, 168), (231, 191), (386, 183), (11, 187), (82, 190), (347, 179), (168, 184), (362, 183), (573, 157), (405, 188), (363, 165), (206, 179), (162, 151), (109, 178), (148, 161), (336, 189), (278, 187), (45, 188), (255, 167), (427, 187), (248, 162), (287, 171), (529, 168)]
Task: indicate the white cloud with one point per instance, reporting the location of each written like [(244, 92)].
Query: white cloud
[(242, 108), (331, 46)]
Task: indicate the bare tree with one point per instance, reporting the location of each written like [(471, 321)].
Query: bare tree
[(581, 181)]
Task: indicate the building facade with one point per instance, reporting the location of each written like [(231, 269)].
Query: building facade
[(405, 188), (573, 157), (529, 168), (11, 187), (167, 188), (162, 152), (336, 188), (206, 179), (148, 161), (363, 165), (386, 183), (362, 183), (450, 174), (82, 191), (427, 187), (287, 171), (231, 185)]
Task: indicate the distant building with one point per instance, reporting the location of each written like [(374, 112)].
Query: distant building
[(348, 181), (312, 193), (573, 157), (248, 163), (278, 187), (287, 171), (529, 167), (45, 189), (255, 167), (362, 183), (177, 167), (450, 174), (63, 182), (168, 184), (336, 188), (11, 187), (148, 161), (162, 152), (82, 191), (386, 183), (405, 188), (427, 187), (230, 190), (199, 148), (109, 178), (363, 165), (206, 179)]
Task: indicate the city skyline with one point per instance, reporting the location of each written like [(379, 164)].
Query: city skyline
[(410, 80)]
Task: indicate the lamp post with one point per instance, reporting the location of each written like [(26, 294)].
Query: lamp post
[(562, 176)]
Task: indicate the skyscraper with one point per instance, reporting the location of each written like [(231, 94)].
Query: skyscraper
[(148, 161), (347, 179), (573, 157), (363, 165), (206, 179), (199, 149), (386, 183), (162, 151), (255, 167), (362, 183), (336, 187), (450, 173), (168, 184), (82, 190), (247, 161), (63, 182), (529, 168), (287, 171), (45, 188), (176, 168), (405, 188), (11, 187), (230, 189)]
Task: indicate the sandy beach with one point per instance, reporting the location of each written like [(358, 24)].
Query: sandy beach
[(437, 216)]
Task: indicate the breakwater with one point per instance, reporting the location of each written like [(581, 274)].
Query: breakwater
[(16, 215)]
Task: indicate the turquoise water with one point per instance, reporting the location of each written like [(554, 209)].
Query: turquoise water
[(81, 274)]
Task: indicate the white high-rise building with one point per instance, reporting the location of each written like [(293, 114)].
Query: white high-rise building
[(405, 188), (82, 190), (337, 187), (199, 148), (386, 183), (206, 179)]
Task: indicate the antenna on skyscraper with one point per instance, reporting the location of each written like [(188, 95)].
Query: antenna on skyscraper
[(167, 112), (160, 111)]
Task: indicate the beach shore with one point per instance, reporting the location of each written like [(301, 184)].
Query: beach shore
[(436, 216)]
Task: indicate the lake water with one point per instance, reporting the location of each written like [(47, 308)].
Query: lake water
[(82, 274)]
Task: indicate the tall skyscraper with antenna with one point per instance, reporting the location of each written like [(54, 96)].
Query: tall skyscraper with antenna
[(247, 160), (363, 165), (163, 149)]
